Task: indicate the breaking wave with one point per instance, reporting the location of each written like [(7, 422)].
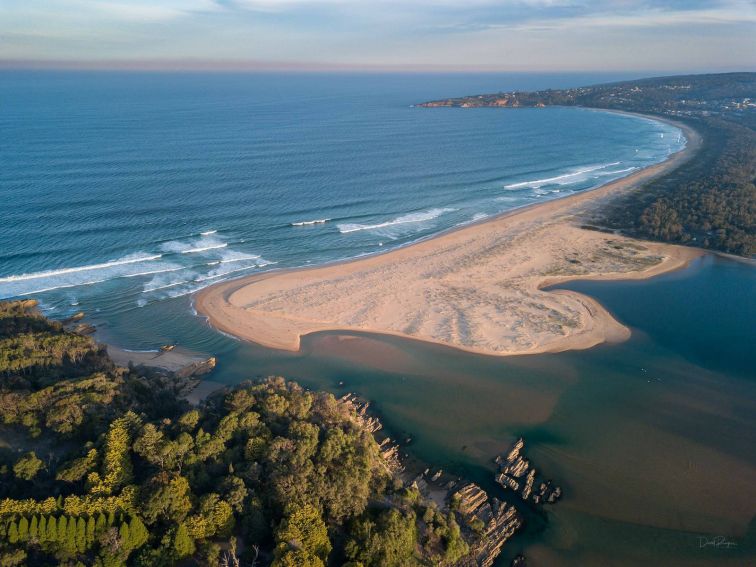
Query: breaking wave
[(423, 216), (310, 222), (564, 179), (169, 269), (131, 259)]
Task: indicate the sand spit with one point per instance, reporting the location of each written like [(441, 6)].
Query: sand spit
[(477, 288)]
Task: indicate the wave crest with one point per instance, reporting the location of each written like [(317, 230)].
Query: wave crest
[(422, 216)]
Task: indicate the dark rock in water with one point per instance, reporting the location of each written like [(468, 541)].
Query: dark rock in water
[(493, 520), (195, 369), (83, 329), (517, 474), (73, 318)]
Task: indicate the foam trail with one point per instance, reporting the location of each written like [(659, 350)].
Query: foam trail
[(204, 248), (59, 287), (234, 256), (176, 269), (404, 219), (173, 284), (559, 179), (132, 259), (208, 232), (310, 222), (195, 245), (618, 172)]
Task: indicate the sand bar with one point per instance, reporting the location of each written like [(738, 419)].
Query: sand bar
[(476, 288)]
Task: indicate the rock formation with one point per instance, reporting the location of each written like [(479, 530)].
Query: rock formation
[(496, 523), (516, 474)]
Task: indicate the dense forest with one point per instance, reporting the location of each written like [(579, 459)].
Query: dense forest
[(108, 466), (711, 200)]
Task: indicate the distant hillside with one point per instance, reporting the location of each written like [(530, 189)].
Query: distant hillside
[(711, 201)]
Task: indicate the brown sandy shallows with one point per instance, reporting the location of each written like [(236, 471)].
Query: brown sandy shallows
[(477, 288), (173, 360)]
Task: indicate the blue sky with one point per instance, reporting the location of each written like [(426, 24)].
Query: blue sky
[(516, 35)]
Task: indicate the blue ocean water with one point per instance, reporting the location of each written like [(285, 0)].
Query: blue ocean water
[(123, 190)]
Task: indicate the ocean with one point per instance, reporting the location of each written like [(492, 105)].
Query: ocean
[(124, 190)]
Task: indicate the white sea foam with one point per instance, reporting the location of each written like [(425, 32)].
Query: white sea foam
[(43, 290), (234, 256), (564, 179), (173, 268), (150, 288), (131, 259), (618, 172), (204, 248), (175, 286), (422, 216), (208, 232), (310, 222), (194, 246)]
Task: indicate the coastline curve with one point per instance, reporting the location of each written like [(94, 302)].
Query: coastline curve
[(477, 288)]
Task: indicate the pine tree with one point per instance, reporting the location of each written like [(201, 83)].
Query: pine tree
[(62, 528), (123, 534), (34, 529), (23, 529), (81, 535), (43, 529), (182, 543), (100, 524), (52, 530), (91, 528), (13, 532), (70, 543), (138, 533)]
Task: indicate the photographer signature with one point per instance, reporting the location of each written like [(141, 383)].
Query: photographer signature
[(716, 542)]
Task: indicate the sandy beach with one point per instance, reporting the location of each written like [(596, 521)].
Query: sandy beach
[(478, 288)]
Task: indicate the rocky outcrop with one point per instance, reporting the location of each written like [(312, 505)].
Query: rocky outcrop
[(388, 447), (487, 523), (493, 521), (75, 324), (196, 369), (517, 474)]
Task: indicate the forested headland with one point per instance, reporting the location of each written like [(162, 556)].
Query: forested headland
[(109, 466), (710, 201)]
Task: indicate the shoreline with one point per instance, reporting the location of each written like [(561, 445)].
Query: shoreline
[(399, 292)]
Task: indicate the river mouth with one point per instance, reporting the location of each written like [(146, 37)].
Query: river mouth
[(639, 434)]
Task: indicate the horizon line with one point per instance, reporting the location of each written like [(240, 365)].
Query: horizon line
[(214, 65)]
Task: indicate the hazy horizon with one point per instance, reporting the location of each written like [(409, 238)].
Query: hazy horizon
[(634, 36)]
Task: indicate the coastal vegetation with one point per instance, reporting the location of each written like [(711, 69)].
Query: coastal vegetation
[(709, 202), (107, 466)]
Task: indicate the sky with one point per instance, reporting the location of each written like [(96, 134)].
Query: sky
[(461, 35)]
